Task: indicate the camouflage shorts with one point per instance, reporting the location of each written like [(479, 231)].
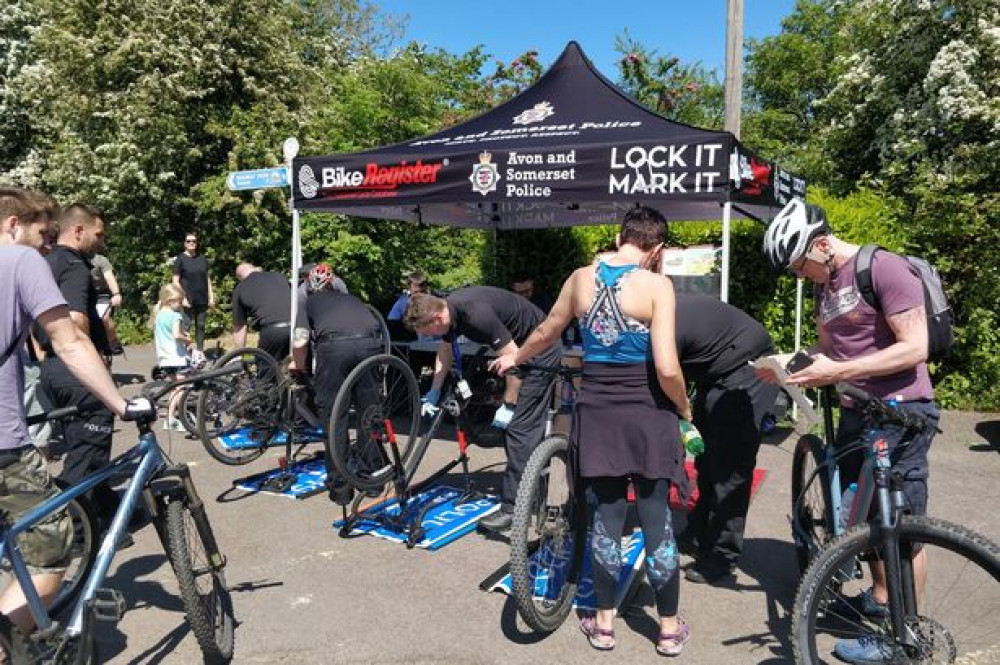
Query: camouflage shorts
[(25, 483)]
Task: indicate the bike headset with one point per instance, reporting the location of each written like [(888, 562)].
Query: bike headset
[(792, 231)]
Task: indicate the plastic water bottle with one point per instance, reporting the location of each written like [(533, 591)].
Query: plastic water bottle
[(691, 438), (846, 501)]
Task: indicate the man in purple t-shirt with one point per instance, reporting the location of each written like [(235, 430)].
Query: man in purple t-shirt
[(28, 292), (883, 352)]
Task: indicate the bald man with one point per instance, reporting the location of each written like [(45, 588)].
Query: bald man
[(265, 297)]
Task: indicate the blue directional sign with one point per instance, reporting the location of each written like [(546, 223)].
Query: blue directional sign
[(257, 179)]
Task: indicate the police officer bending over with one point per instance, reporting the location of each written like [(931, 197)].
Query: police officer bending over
[(265, 297), (344, 331), (502, 320)]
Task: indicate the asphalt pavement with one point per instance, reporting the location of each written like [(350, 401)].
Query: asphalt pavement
[(304, 595)]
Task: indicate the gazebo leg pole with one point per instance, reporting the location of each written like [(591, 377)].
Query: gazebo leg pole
[(724, 287)]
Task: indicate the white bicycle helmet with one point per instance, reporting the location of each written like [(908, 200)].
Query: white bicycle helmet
[(791, 231), (320, 277)]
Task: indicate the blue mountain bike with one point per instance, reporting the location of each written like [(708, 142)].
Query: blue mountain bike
[(168, 495)]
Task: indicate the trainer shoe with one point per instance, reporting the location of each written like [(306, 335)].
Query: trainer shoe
[(498, 522), (864, 604), (708, 570), (866, 650)]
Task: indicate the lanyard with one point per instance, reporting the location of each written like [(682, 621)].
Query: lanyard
[(456, 357)]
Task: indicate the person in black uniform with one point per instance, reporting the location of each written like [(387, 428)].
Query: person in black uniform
[(265, 296), (191, 274), (502, 320), (88, 437), (715, 343), (343, 331)]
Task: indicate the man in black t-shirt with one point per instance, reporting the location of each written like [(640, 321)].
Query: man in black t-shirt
[(502, 320), (88, 437), (715, 343), (191, 275), (265, 297)]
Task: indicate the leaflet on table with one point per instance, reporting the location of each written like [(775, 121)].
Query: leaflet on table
[(776, 364)]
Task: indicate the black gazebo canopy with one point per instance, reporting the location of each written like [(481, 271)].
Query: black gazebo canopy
[(570, 150)]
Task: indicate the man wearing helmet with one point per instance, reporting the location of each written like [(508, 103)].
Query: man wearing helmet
[(343, 331), (882, 351)]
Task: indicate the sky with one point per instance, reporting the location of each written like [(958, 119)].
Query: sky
[(692, 30)]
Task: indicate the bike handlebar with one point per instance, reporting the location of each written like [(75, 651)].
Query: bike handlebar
[(886, 411)]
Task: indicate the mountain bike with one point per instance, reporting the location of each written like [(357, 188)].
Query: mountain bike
[(952, 618), (548, 534), (240, 416), (375, 439), (169, 497)]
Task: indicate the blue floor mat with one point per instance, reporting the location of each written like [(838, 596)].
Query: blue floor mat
[(444, 523), (241, 438), (633, 557), (310, 479)]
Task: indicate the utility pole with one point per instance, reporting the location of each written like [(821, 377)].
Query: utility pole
[(734, 66)]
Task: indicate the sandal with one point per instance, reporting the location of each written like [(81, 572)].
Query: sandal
[(677, 640), (588, 625)]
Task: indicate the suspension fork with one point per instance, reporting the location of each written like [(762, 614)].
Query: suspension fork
[(187, 493)]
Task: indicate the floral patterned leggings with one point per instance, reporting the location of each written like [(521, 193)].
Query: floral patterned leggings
[(606, 499)]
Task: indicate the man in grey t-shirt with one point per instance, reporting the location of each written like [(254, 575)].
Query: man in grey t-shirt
[(28, 293)]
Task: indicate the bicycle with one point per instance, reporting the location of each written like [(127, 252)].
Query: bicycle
[(375, 439), (170, 499), (952, 618), (548, 534), (240, 417)]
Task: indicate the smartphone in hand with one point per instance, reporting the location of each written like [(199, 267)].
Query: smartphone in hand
[(798, 362)]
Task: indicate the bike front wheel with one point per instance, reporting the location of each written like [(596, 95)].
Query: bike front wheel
[(377, 407), (811, 523), (957, 611), (546, 538), (238, 415), (203, 590)]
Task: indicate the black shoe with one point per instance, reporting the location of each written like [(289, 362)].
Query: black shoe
[(498, 522), (687, 545), (709, 571)]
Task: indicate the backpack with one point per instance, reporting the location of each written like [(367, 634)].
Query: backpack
[(940, 319)]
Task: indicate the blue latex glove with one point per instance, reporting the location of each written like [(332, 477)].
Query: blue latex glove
[(428, 404), (503, 415)]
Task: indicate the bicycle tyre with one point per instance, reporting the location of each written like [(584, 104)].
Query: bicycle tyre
[(546, 609), (209, 613), (972, 551), (812, 512), (247, 404), (380, 389), (187, 410), (383, 330), (86, 541)]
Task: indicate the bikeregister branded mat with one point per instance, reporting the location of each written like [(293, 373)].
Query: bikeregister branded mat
[(240, 439), (447, 519), (551, 575), (310, 479)]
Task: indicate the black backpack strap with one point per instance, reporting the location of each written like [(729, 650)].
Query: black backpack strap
[(863, 274)]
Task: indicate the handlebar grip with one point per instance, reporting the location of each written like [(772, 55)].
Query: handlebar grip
[(892, 412), (54, 414)]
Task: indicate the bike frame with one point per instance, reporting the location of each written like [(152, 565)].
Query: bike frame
[(142, 463)]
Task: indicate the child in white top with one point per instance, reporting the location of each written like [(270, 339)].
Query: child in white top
[(171, 344)]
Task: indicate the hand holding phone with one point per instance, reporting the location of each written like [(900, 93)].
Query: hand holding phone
[(798, 362)]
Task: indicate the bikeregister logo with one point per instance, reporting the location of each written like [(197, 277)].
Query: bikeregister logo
[(375, 180)]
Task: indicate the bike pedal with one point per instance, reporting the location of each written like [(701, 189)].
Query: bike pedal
[(108, 605)]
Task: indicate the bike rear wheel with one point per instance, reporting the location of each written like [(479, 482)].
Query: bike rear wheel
[(83, 552), (382, 333), (203, 590), (545, 555), (187, 410), (957, 613), (811, 526), (239, 415), (379, 401)]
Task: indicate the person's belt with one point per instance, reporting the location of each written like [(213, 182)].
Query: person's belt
[(10, 455), (334, 337)]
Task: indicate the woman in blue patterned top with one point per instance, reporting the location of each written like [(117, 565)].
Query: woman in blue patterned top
[(625, 420)]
